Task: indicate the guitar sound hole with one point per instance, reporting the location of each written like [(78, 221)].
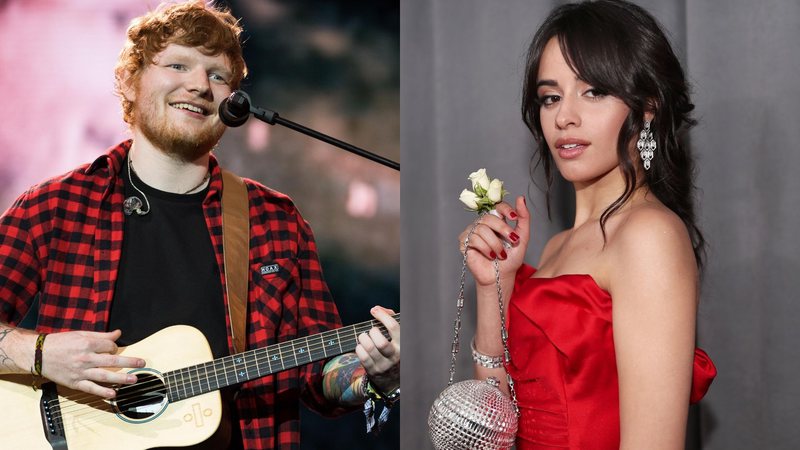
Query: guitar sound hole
[(145, 398)]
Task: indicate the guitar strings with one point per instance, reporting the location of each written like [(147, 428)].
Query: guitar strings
[(98, 412), (186, 384), (249, 357), (252, 360)]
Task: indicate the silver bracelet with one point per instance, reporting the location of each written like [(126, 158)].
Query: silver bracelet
[(490, 362)]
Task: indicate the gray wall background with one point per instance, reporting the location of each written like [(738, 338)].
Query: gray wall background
[(461, 69)]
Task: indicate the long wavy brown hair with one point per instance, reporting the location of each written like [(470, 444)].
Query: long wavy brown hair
[(621, 50)]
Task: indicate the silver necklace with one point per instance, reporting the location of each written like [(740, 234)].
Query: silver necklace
[(202, 182)]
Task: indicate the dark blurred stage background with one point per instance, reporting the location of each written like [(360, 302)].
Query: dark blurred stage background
[(330, 65)]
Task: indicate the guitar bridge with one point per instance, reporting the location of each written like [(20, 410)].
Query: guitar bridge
[(50, 409)]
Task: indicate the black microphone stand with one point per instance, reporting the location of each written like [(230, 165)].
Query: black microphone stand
[(272, 117)]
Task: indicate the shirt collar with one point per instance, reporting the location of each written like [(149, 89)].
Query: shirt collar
[(215, 184), (114, 158)]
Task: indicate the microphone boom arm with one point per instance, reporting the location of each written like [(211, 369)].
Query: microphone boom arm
[(272, 117)]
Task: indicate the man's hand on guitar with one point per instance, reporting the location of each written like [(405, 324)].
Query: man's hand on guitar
[(84, 360), (380, 356)]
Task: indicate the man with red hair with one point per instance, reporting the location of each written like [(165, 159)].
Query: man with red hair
[(132, 243)]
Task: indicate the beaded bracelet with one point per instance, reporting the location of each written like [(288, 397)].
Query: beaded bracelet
[(488, 361), (36, 370)]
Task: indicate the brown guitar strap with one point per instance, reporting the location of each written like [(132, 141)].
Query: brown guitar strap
[(236, 252)]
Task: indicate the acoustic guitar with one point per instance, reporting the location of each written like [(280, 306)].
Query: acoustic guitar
[(175, 401)]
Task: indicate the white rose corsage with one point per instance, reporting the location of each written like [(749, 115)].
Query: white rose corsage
[(484, 194)]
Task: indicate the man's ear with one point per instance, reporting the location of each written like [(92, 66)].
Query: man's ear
[(127, 86)]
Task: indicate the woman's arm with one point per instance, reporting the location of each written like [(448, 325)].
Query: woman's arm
[(653, 283), (486, 244)]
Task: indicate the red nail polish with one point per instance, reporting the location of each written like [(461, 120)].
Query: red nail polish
[(503, 254), (512, 215), (513, 236), (493, 255)]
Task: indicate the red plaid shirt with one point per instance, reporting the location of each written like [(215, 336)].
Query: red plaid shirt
[(63, 240)]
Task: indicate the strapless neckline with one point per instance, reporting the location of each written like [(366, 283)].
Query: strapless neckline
[(569, 276), (563, 362)]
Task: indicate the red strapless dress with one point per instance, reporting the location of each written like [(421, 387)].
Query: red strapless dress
[(563, 363)]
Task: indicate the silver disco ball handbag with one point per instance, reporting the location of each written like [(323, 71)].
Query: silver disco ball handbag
[(474, 414)]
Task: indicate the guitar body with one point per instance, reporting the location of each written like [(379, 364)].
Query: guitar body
[(89, 422), (175, 401)]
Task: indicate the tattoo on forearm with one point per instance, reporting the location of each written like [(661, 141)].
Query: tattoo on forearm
[(342, 381), (6, 361)]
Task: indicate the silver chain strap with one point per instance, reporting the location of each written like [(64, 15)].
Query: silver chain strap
[(504, 333), (460, 306)]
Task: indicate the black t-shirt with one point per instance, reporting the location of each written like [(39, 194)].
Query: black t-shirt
[(168, 275)]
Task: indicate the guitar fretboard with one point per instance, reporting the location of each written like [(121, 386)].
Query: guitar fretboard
[(231, 370)]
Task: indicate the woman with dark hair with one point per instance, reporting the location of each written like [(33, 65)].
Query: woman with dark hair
[(607, 101)]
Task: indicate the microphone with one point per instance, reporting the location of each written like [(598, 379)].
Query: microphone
[(235, 110)]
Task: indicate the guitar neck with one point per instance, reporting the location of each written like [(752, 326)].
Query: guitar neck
[(236, 369)]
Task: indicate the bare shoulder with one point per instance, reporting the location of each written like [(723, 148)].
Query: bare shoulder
[(651, 242), (649, 228)]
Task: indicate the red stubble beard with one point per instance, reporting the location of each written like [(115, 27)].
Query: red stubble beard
[(169, 137)]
